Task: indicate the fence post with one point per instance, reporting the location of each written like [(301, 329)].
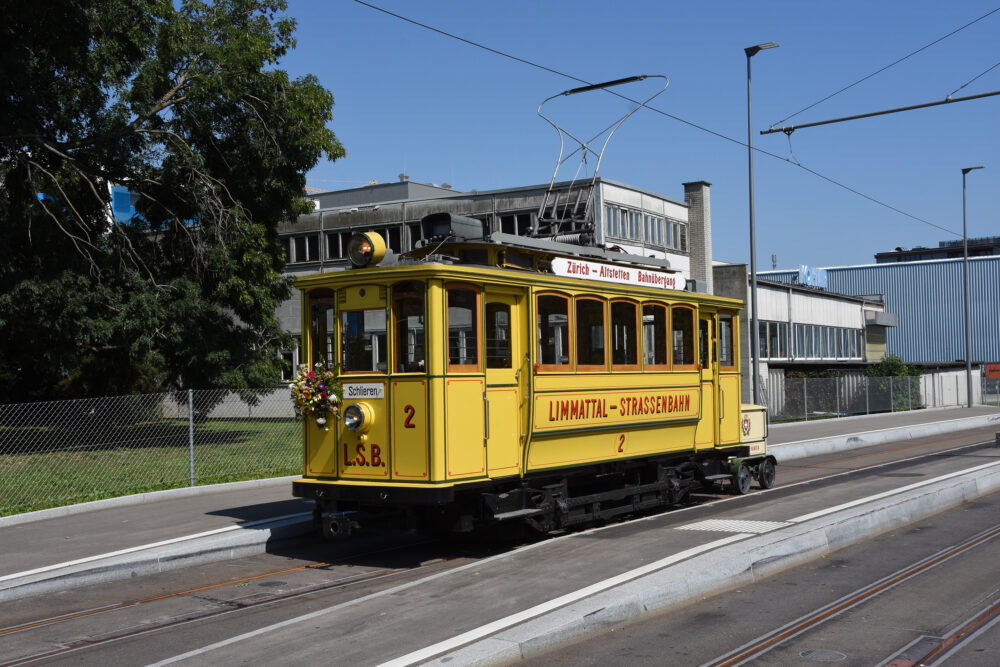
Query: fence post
[(836, 390), (191, 435), (868, 384), (892, 399), (909, 393), (805, 398)]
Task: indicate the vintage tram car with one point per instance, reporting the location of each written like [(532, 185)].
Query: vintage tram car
[(489, 378)]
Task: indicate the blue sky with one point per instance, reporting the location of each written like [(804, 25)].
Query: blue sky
[(408, 100)]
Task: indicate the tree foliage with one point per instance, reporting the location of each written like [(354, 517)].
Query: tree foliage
[(183, 104), (892, 366)]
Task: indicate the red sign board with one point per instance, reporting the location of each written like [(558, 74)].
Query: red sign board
[(993, 371)]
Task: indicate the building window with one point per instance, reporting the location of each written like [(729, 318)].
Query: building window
[(289, 363), (520, 224), (305, 248), (336, 244)]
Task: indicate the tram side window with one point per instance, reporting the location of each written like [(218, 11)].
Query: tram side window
[(553, 330), (498, 335), (683, 336), (463, 328), (625, 350), (727, 353), (408, 315), (590, 333), (654, 335), (322, 321), (363, 341)]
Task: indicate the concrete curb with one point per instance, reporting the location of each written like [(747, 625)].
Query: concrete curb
[(790, 451), (725, 568), (141, 498), (235, 542)]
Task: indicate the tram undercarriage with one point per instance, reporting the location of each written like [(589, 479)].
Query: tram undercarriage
[(545, 503)]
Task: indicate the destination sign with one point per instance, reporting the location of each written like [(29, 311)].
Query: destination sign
[(355, 391), (622, 275)]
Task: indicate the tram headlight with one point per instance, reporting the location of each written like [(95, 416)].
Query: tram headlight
[(365, 248), (358, 417)]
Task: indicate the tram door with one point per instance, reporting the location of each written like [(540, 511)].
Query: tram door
[(506, 375), (706, 434)]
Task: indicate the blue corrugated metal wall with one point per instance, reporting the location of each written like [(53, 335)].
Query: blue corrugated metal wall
[(927, 296)]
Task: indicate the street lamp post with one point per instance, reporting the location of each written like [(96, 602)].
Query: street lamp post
[(751, 51), (965, 272)]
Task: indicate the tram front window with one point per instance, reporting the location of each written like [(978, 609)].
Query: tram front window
[(321, 325), (363, 341)]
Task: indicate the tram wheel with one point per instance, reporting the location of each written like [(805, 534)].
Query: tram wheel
[(741, 480), (765, 474)]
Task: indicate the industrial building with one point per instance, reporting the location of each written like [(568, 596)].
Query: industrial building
[(806, 328), (927, 297)]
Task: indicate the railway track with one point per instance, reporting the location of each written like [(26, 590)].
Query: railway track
[(344, 582)]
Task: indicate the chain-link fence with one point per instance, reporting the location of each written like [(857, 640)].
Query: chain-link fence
[(62, 452), (793, 399), (991, 391), (818, 398)]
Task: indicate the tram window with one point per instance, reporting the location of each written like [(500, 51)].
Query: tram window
[(363, 341), (463, 328), (498, 335), (727, 353), (654, 335), (682, 319), (704, 344), (321, 327), (590, 334), (408, 315), (553, 330), (625, 349)]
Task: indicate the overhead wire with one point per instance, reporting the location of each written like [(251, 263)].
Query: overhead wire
[(710, 131), (892, 64), (972, 80)]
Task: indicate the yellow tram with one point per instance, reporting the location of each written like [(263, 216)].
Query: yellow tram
[(491, 378)]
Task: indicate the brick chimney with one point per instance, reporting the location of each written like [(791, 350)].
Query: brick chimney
[(697, 196)]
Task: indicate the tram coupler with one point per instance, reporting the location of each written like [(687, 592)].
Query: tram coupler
[(339, 525)]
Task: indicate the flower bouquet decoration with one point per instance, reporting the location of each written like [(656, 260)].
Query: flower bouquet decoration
[(315, 392)]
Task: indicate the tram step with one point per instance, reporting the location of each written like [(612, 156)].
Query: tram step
[(516, 514)]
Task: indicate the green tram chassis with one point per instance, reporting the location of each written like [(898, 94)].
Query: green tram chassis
[(546, 501)]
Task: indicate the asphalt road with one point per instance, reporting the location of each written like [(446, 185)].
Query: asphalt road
[(233, 601), (900, 623)]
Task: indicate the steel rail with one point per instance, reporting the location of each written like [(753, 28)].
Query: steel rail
[(821, 615)]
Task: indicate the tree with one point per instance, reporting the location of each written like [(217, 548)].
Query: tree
[(183, 104)]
